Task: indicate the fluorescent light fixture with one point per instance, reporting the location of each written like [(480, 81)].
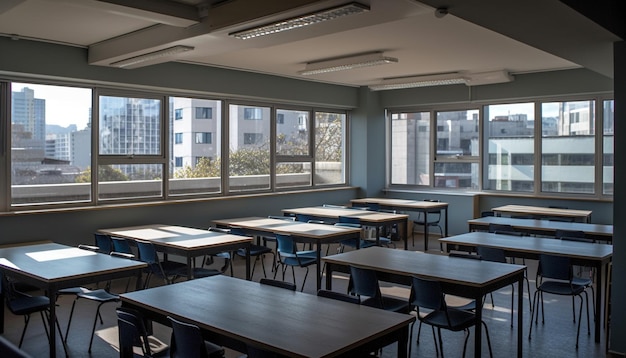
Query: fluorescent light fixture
[(300, 21), (468, 79), (347, 63), (420, 81), (151, 56)]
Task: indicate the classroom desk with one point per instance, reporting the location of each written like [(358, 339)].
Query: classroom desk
[(580, 253), (544, 227), (236, 313), (366, 217), (424, 207), (184, 241), (544, 212), (302, 232), (462, 277), (52, 267)]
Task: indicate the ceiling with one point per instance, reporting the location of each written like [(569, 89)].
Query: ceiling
[(475, 36)]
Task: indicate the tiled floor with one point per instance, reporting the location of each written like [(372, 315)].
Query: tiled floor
[(555, 338)]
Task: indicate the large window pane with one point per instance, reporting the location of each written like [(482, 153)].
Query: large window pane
[(457, 133), (510, 138), (292, 133), (456, 175), (410, 148), (130, 181), (249, 148), (568, 147), (196, 146), (50, 144), (330, 157), (289, 175), (608, 119), (130, 126)]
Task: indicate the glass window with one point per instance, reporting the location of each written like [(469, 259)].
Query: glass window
[(201, 174), (204, 112), (292, 135), (608, 120), (249, 148), (178, 162), (509, 131), (50, 144), (568, 147), (410, 148), (457, 150), (330, 156), (178, 114), (203, 138), (130, 181), (293, 174)]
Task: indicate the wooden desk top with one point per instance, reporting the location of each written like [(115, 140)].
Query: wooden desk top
[(310, 230), (303, 325), (430, 266), (364, 215), (546, 225), (542, 211), (529, 244), (179, 237), (402, 203), (52, 262)]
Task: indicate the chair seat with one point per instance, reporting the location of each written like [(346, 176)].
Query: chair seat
[(582, 281), (200, 272), (389, 304), (99, 295), (27, 305), (299, 261), (352, 243), (255, 250), (561, 288), (458, 319)]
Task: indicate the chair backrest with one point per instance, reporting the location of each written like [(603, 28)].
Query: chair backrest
[(304, 218), (186, 341), (572, 235), (555, 267), (427, 294), (237, 231), (103, 242), (147, 252), (285, 245), (121, 245), (487, 213), (364, 282), (340, 296), (349, 220), (348, 225), (279, 217), (276, 283), (501, 228), (131, 331), (491, 254)]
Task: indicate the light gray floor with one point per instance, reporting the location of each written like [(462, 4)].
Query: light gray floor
[(555, 338)]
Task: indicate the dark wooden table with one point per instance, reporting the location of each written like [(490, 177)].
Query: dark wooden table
[(374, 219), (596, 232), (318, 234), (236, 313), (184, 241), (424, 207), (580, 253), (52, 267), (462, 277), (544, 212)]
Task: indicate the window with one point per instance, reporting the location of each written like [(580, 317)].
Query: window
[(457, 155), (178, 114), (330, 148), (202, 138), (201, 175), (280, 118), (178, 162), (292, 136), (249, 156), (410, 148), (608, 116), (50, 144), (568, 147), (204, 113), (253, 113), (130, 157), (509, 129)]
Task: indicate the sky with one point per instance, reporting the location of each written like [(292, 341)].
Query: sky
[(64, 105)]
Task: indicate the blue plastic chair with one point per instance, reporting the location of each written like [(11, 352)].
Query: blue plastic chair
[(364, 283), (187, 342), (288, 255)]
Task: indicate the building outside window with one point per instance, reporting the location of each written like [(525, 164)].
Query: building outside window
[(204, 113), (202, 138)]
